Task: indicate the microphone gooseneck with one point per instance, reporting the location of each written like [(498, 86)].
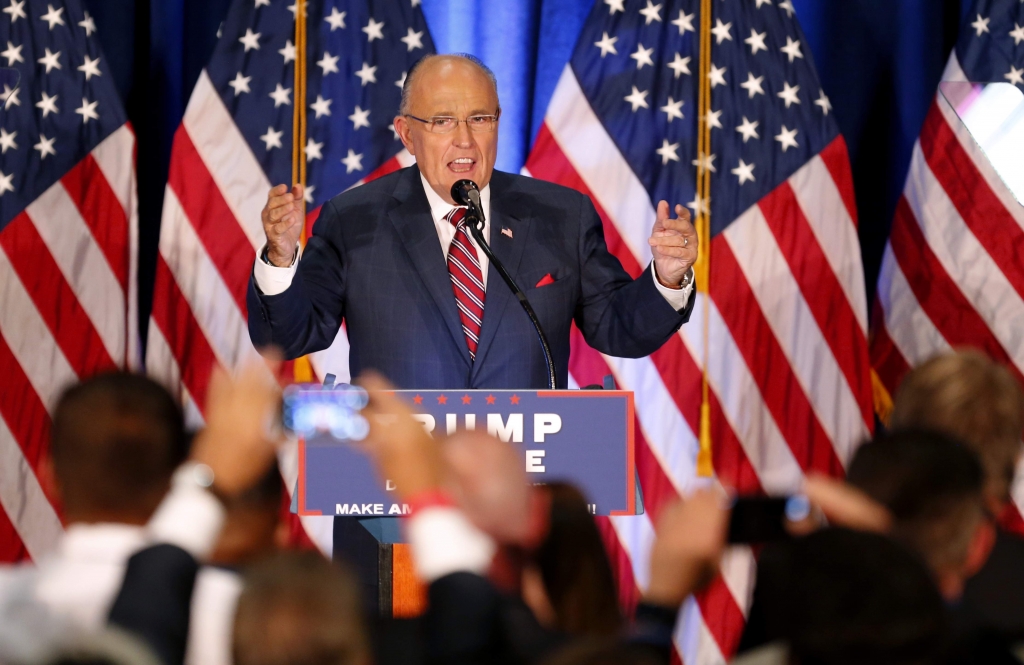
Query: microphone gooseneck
[(466, 192)]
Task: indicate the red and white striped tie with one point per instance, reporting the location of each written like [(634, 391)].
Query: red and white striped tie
[(467, 280)]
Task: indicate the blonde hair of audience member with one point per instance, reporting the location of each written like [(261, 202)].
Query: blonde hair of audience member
[(966, 394), (299, 609)]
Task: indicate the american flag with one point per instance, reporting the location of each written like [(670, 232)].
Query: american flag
[(787, 366), (952, 273), (235, 142), (68, 225)]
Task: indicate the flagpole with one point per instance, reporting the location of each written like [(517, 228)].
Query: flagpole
[(702, 269), (302, 369)]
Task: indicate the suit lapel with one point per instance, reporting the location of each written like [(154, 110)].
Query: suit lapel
[(415, 226), (506, 213)]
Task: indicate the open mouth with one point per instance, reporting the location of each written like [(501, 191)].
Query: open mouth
[(462, 164)]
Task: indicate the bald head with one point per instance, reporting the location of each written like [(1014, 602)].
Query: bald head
[(453, 64)]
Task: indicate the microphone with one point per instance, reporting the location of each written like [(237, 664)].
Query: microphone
[(466, 192)]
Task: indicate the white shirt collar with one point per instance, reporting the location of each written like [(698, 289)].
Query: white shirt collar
[(103, 541), (439, 208)]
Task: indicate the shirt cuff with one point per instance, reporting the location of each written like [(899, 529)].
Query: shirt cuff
[(272, 280), (189, 517), (444, 541), (675, 297)]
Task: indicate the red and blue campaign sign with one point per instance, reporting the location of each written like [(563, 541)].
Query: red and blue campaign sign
[(584, 437)]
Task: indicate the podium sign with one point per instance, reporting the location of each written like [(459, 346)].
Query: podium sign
[(584, 437)]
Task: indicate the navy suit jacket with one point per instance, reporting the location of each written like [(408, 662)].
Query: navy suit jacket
[(375, 261)]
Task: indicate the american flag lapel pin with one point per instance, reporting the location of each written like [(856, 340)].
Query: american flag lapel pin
[(505, 231)]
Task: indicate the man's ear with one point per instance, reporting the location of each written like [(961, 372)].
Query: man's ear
[(982, 541), (403, 128)]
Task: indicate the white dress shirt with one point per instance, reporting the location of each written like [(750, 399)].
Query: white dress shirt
[(272, 280), (73, 587), (212, 625)]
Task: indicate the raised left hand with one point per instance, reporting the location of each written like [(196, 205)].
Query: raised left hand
[(674, 245)]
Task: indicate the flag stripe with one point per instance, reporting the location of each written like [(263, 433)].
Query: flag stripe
[(980, 161), (912, 331), (228, 158), (22, 410), (779, 386), (793, 331), (102, 212), (24, 438), (745, 413), (83, 264), (11, 546), (179, 327), (940, 297), (959, 254), (548, 162), (636, 533), (721, 614), (23, 500), (998, 232), (29, 338), (732, 467), (211, 303), (697, 646), (163, 367), (816, 279), (834, 231), (836, 159), (621, 563), (670, 438), (886, 359), (205, 209), (115, 158), (53, 298)]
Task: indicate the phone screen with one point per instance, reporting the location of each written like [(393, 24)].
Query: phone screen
[(762, 519), (310, 411)]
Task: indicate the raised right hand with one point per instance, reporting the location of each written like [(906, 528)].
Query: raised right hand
[(282, 223)]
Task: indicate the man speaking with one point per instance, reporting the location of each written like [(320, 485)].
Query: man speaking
[(395, 260)]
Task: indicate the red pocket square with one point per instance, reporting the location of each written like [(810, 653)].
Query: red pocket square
[(545, 280)]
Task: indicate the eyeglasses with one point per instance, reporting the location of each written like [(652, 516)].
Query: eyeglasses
[(444, 124)]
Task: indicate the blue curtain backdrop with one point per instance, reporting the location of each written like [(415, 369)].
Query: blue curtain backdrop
[(879, 60)]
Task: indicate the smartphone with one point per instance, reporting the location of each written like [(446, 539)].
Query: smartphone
[(762, 519), (312, 412)]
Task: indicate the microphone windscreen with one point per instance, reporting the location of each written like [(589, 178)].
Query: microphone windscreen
[(461, 192)]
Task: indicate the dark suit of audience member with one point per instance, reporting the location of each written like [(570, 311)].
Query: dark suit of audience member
[(839, 596), (994, 597)]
